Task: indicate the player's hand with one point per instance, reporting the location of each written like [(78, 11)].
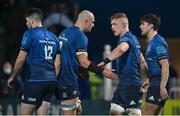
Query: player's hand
[(108, 73), (145, 86), (163, 93), (101, 64), (10, 81)]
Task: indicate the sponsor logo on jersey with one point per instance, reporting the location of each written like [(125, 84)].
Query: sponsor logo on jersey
[(31, 99)]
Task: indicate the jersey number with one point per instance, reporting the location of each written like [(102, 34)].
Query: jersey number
[(48, 50), (60, 44)]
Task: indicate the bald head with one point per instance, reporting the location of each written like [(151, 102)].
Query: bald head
[(85, 21), (85, 14)]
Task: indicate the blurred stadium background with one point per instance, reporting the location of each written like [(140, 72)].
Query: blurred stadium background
[(59, 14)]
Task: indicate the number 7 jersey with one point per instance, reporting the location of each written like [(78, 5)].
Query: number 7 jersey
[(72, 42), (42, 47)]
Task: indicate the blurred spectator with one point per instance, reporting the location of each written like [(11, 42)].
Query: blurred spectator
[(5, 91)]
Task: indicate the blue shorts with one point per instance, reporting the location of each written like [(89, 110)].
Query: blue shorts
[(153, 95), (128, 96), (35, 93), (67, 93)]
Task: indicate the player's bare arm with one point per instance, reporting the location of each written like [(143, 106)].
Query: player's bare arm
[(83, 60), (57, 64), (144, 67), (117, 52), (18, 64), (144, 74), (164, 78)]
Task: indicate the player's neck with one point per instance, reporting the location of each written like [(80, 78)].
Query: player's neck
[(37, 25), (124, 32), (151, 35), (79, 26)]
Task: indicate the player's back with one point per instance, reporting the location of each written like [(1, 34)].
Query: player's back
[(42, 47), (71, 40), (128, 65)]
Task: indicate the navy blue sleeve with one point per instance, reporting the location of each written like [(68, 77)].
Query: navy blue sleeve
[(124, 39), (26, 42), (161, 52), (81, 43)]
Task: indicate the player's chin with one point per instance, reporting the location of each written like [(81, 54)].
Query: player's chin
[(90, 30), (116, 34), (142, 33)]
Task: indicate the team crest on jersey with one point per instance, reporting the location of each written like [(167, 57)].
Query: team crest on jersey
[(161, 49)]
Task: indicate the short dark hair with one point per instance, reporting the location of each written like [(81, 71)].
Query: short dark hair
[(118, 15), (152, 19), (35, 13)]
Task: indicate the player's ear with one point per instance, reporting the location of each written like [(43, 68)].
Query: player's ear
[(151, 26), (124, 24), (86, 22), (32, 22)]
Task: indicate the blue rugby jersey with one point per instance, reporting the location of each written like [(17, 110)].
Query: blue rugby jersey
[(128, 65), (156, 50), (42, 47), (72, 41)]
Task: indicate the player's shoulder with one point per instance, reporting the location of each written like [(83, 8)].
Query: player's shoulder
[(34, 31), (72, 32), (51, 34), (28, 32), (129, 37), (160, 40)]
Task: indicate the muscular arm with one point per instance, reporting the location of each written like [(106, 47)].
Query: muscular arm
[(164, 72), (19, 62), (83, 60), (18, 65), (144, 74), (144, 67), (57, 64), (164, 78), (118, 51)]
